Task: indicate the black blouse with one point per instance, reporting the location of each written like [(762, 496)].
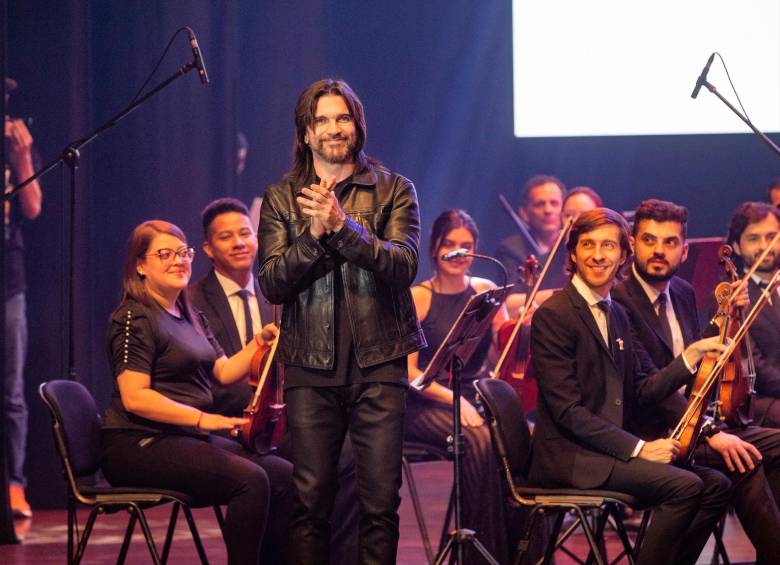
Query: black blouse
[(178, 357)]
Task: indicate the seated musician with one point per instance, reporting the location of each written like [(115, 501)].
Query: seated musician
[(578, 200), (156, 432), (541, 200), (439, 301), (663, 314), (590, 385), (231, 244), (751, 230)]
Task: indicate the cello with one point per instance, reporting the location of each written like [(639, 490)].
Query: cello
[(265, 411), (688, 429)]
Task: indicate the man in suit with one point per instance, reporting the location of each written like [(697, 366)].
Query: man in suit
[(663, 314), (591, 383), (751, 230), (235, 307)]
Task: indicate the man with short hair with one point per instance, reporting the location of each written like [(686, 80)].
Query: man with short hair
[(663, 314), (592, 383), (339, 238), (751, 229), (225, 295), (541, 200)]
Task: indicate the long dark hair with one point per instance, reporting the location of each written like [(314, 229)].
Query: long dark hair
[(304, 117), (137, 246), (444, 224)]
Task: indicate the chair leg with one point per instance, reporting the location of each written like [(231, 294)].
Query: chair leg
[(147, 533), (170, 532), (195, 535), (590, 537), (71, 527), (525, 540), (407, 467), (220, 518), (85, 536), (600, 521), (126, 541), (553, 542), (620, 528), (719, 552)]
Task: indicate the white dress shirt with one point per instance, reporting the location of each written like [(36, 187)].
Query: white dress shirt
[(231, 287)]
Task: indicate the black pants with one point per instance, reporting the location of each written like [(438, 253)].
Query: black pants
[(757, 493), (257, 489), (318, 419), (686, 505)]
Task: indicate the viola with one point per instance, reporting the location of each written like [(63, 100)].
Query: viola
[(688, 429), (265, 411), (735, 387), (511, 366)]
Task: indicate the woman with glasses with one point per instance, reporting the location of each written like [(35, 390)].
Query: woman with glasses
[(156, 429)]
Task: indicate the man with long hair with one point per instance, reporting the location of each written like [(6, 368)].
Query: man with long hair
[(339, 238)]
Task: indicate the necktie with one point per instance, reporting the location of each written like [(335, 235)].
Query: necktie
[(664, 319), (604, 306), (244, 295), (773, 301)]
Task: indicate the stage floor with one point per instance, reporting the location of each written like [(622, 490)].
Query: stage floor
[(45, 540)]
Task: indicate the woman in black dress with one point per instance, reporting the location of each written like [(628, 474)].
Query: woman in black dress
[(156, 430), (439, 301)]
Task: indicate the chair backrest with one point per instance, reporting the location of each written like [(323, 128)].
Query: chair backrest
[(508, 427), (76, 425)]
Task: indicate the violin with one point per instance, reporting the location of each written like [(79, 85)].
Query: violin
[(510, 367), (265, 411), (688, 429), (735, 387)]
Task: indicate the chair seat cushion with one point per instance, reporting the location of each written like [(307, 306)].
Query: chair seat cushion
[(577, 496)]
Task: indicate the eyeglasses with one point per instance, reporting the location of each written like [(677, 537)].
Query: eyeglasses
[(165, 254)]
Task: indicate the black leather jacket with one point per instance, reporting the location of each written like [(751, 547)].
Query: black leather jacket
[(379, 246)]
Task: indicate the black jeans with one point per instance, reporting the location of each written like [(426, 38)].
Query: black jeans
[(318, 419), (257, 489)]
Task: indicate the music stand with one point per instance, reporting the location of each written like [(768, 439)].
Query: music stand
[(461, 341)]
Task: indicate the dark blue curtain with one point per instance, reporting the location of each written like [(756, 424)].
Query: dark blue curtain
[(436, 81)]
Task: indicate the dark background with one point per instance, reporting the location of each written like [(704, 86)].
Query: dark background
[(435, 79)]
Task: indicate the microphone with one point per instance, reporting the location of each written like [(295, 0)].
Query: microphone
[(457, 254), (199, 65), (702, 77)]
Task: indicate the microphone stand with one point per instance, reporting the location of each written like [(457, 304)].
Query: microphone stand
[(70, 157), (742, 117)]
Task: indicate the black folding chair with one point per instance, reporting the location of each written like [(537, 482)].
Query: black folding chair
[(76, 427), (512, 443)]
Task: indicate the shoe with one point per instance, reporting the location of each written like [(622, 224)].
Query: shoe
[(19, 505)]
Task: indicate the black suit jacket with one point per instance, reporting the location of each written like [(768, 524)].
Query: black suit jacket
[(587, 397), (650, 341), (208, 296), (765, 334)]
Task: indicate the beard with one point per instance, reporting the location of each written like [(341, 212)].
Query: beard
[(769, 265), (336, 155), (643, 271)]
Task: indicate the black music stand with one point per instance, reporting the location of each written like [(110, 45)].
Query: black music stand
[(455, 350)]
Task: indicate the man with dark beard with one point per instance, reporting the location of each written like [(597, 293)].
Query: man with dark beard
[(339, 239), (751, 230), (663, 314)]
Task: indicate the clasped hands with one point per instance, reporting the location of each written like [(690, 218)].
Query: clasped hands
[(320, 203)]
